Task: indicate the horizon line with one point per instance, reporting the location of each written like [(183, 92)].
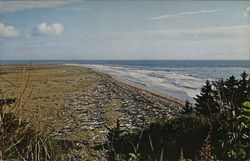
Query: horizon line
[(123, 59)]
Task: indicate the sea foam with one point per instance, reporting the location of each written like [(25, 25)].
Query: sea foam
[(166, 82), (180, 82)]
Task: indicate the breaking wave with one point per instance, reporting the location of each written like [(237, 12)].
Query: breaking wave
[(178, 85), (182, 83)]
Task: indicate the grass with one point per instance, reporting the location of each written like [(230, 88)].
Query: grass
[(111, 113), (48, 88)]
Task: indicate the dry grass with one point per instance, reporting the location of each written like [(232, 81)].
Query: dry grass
[(111, 113), (48, 88)]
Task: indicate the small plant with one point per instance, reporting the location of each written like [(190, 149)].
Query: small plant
[(188, 108), (206, 149), (113, 139), (134, 157)]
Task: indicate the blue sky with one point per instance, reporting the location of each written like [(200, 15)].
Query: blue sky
[(124, 30)]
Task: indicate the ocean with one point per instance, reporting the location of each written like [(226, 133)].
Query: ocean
[(178, 78)]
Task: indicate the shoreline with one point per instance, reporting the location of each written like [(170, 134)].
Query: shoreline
[(155, 93), (126, 83)]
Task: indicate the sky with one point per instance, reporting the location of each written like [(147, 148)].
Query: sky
[(124, 30)]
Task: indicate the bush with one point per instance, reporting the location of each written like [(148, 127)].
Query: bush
[(165, 139)]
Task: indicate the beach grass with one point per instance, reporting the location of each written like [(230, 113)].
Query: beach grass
[(48, 88)]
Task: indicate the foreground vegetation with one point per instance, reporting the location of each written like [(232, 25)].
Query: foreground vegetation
[(215, 128)]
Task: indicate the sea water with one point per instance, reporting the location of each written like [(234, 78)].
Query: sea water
[(178, 78)]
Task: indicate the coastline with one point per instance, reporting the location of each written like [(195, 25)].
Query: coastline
[(131, 85)]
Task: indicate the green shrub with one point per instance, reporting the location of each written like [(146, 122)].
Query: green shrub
[(185, 132)]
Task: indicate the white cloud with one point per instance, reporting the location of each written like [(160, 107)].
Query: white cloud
[(12, 6), (246, 13), (182, 14), (8, 31), (44, 29)]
